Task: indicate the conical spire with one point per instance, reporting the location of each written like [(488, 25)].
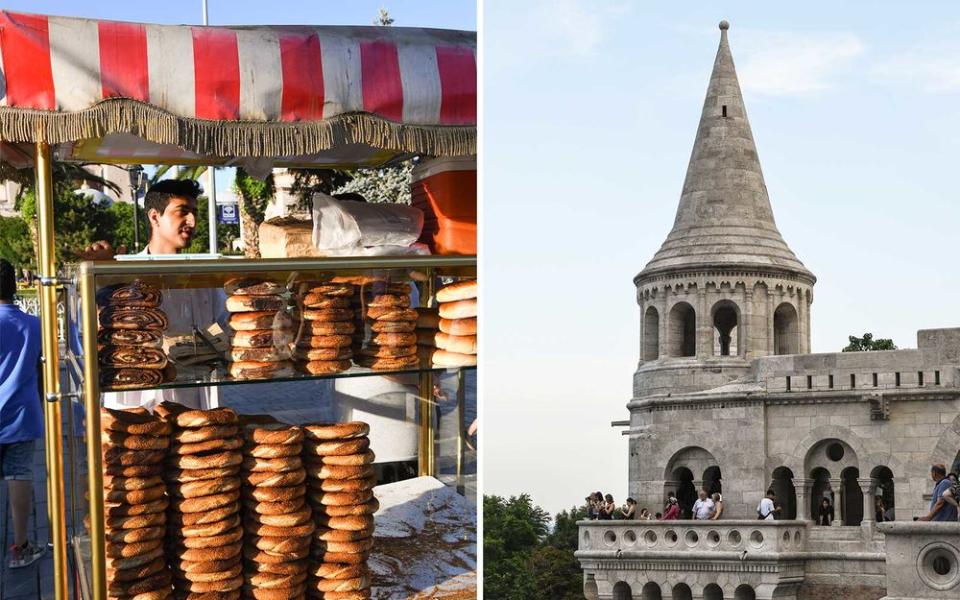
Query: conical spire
[(724, 218)]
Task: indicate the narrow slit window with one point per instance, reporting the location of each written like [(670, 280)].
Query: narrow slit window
[(724, 109), (896, 377), (788, 383), (809, 382), (919, 377), (853, 380), (830, 382), (874, 380), (936, 378)]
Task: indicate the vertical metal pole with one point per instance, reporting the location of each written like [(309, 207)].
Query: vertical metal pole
[(461, 432), (51, 367), (426, 465), (134, 188), (91, 400), (212, 205)]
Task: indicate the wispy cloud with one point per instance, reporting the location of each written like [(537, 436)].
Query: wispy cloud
[(577, 26), (794, 63), (931, 68)]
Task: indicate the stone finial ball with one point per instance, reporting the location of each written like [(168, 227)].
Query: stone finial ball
[(724, 25)]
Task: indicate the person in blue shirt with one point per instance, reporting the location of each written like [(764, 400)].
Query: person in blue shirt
[(940, 510), (21, 412)]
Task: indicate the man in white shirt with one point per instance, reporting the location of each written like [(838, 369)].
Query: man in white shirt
[(171, 209), (767, 509), (703, 508)]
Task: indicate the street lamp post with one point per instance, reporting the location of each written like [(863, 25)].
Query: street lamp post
[(136, 180)]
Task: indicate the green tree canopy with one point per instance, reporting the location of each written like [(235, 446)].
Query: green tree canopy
[(868, 344), (15, 243)]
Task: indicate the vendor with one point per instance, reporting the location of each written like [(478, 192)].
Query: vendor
[(171, 209)]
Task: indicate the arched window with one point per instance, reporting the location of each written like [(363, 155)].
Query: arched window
[(711, 480), (682, 591), (786, 494), (821, 490), (651, 591), (852, 497), (744, 592), (884, 493), (682, 335), (713, 592), (622, 591), (651, 334), (686, 491), (726, 318), (786, 330)]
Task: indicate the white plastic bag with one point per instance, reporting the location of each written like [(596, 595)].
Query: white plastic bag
[(339, 225)]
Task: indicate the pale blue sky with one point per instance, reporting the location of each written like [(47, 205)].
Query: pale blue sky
[(590, 114)]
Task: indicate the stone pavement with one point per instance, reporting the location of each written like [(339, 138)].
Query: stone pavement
[(291, 401)]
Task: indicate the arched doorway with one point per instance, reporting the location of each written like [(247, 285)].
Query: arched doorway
[(686, 491), (682, 332), (622, 591), (726, 317), (786, 330), (786, 494), (821, 490), (711, 480), (884, 492), (713, 592), (852, 497), (651, 334), (682, 591), (651, 591), (744, 592)]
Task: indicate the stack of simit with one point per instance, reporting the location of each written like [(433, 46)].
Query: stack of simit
[(262, 329), (204, 532), (131, 336), (324, 343), (340, 482), (393, 342), (277, 520), (134, 444), (457, 339)]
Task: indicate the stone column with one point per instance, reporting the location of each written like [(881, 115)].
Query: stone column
[(836, 486), (746, 315), (868, 485), (807, 301), (804, 489), (661, 302), (704, 326), (770, 307)]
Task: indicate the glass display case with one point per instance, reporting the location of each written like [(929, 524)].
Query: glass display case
[(390, 341)]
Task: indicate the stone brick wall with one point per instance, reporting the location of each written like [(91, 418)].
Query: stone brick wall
[(837, 592)]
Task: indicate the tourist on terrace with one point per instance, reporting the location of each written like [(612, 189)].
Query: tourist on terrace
[(879, 510), (766, 510), (718, 506), (607, 508), (952, 495), (940, 509), (704, 507), (673, 509), (629, 510), (825, 516), (593, 505), (645, 515)]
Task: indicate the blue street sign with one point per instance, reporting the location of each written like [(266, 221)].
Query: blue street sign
[(228, 214)]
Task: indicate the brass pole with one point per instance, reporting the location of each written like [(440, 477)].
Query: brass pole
[(461, 431), (91, 400), (426, 465), (51, 367), (71, 442)]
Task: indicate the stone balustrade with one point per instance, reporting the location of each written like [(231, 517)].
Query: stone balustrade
[(736, 538), (923, 560)]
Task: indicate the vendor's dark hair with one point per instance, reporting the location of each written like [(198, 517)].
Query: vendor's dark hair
[(939, 469), (162, 192), (8, 281)]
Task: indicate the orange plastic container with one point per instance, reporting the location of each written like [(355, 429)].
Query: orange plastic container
[(445, 189)]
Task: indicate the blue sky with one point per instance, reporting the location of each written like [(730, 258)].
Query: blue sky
[(590, 114)]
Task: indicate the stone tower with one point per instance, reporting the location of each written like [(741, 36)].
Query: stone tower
[(724, 287)]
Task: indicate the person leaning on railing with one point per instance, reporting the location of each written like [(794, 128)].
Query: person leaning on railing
[(940, 508)]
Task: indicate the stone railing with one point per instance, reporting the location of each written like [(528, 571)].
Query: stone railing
[(733, 538), (923, 560)]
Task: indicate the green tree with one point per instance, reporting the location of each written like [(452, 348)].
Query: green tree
[(512, 530), (201, 237), (565, 534), (555, 574), (868, 344), (253, 196), (16, 245)]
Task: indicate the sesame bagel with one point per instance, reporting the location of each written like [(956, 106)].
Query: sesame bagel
[(348, 510), (335, 431), (118, 439), (343, 585), (228, 572), (275, 465), (206, 554), (205, 418), (292, 593), (261, 338), (328, 327), (389, 364), (278, 433), (388, 351), (308, 342), (131, 522), (324, 367), (347, 523), (139, 572), (140, 534), (338, 571), (338, 290), (351, 558), (332, 354), (344, 485), (328, 315), (290, 519), (282, 507), (393, 326), (394, 339), (273, 450), (221, 585), (338, 447), (268, 479), (187, 475), (342, 535), (339, 471), (251, 553), (142, 496), (134, 422), (126, 458), (130, 483), (155, 581), (279, 545), (203, 434), (191, 569), (252, 527), (204, 518), (269, 581), (252, 286), (162, 593), (227, 537), (273, 494), (362, 458), (391, 313), (363, 594), (122, 509), (206, 530), (269, 354), (190, 461), (286, 568), (238, 303), (258, 369), (205, 503), (325, 301), (211, 445), (127, 550), (133, 561), (341, 498), (389, 300), (263, 319), (205, 487)]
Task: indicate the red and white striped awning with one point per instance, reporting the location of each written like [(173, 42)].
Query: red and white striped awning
[(279, 91)]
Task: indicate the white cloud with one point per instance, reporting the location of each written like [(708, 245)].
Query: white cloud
[(793, 63), (931, 68)]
